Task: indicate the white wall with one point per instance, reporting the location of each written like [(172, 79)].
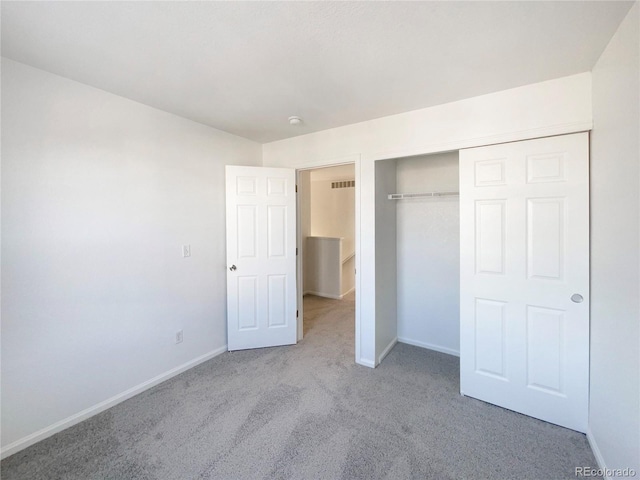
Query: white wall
[(323, 266), (386, 329), (98, 195), (428, 232), (548, 108), (348, 274), (333, 212), (614, 418), (553, 107)]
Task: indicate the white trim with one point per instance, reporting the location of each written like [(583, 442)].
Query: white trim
[(104, 405), (365, 362), (386, 351), (429, 346), (596, 452), (300, 253), (325, 295), (329, 295), (358, 251), (461, 144), (330, 162), (348, 292)]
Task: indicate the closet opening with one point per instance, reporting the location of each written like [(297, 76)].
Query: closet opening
[(418, 253), (326, 252)]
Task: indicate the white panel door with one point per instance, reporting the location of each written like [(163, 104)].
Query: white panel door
[(524, 277), (261, 257)]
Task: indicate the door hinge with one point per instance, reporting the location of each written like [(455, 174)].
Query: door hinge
[(296, 250), (297, 313), (296, 188)]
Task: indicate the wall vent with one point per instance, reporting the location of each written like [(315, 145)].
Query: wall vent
[(344, 184)]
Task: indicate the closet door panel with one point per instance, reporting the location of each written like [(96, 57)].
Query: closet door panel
[(524, 239)]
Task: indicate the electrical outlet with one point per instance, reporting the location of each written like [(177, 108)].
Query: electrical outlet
[(186, 250), (179, 336)]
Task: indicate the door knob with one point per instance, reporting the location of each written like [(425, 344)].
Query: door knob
[(233, 269), (577, 298)]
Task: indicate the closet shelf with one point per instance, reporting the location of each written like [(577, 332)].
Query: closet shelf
[(400, 196)]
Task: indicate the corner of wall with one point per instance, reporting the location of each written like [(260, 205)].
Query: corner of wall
[(596, 452), (387, 350), (614, 418), (366, 362), (50, 430)]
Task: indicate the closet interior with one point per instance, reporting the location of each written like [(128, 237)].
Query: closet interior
[(418, 251)]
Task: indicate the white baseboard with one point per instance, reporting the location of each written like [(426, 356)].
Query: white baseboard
[(102, 406), (329, 295), (429, 346), (366, 363), (386, 351), (347, 292), (326, 295), (596, 452)]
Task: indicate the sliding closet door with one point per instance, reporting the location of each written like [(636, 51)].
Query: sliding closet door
[(524, 277)]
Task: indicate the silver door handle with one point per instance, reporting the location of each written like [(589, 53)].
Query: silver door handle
[(577, 298), (233, 268)]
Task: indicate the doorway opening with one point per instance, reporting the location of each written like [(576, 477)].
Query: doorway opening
[(326, 246)]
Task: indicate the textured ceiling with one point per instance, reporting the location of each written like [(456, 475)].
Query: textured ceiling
[(245, 67)]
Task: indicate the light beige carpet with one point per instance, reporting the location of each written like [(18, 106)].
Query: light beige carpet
[(308, 412)]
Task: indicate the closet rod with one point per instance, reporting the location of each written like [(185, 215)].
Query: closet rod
[(400, 196)]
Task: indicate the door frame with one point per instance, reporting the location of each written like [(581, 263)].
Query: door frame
[(365, 192), (350, 160)]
